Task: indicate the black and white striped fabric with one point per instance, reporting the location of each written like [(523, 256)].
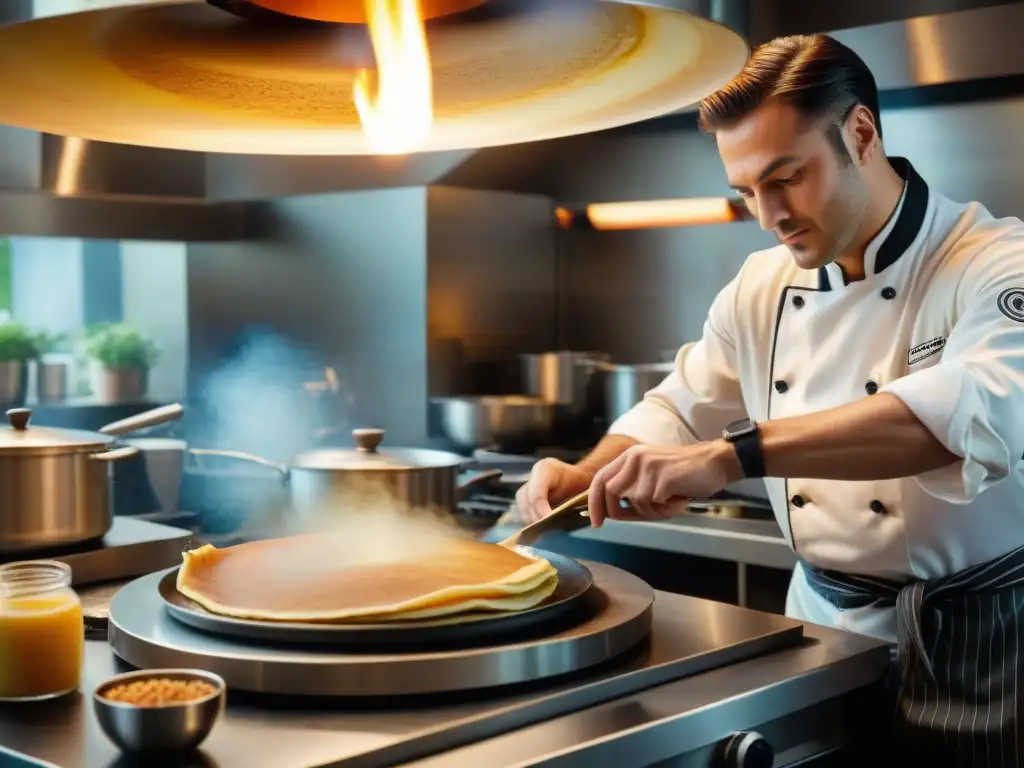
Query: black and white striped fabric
[(958, 687)]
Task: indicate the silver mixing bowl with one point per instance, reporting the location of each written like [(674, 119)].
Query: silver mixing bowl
[(170, 728)]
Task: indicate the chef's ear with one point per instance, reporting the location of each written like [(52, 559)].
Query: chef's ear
[(861, 133)]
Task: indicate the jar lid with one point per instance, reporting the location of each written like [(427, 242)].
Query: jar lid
[(18, 438), (367, 456)]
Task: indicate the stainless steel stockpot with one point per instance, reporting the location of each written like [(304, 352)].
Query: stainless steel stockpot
[(55, 484)]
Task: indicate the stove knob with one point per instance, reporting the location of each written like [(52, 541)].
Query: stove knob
[(748, 749)]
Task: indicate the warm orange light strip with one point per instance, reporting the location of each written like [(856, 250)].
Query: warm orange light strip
[(650, 214), (654, 214)]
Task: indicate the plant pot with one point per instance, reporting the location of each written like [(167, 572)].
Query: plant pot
[(13, 383), (52, 381), (119, 385)]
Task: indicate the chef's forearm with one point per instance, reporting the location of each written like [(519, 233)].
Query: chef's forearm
[(605, 452), (876, 438)]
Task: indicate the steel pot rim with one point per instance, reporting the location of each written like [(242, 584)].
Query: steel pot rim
[(364, 459), (19, 439)]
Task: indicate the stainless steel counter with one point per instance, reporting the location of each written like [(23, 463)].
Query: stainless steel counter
[(750, 542), (794, 697)]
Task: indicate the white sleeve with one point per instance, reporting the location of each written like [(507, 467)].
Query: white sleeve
[(701, 396), (972, 400)]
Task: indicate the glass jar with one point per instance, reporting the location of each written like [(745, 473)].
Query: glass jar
[(42, 632)]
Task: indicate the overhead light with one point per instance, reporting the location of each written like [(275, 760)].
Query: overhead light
[(354, 77), (654, 214)]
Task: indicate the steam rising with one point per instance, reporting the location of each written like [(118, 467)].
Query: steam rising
[(256, 401), (373, 528), (260, 402)]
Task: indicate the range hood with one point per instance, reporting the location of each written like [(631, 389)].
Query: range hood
[(72, 187)]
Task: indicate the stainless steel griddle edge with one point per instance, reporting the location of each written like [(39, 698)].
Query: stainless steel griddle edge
[(142, 633)]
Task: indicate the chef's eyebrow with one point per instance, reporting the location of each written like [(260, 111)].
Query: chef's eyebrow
[(771, 168)]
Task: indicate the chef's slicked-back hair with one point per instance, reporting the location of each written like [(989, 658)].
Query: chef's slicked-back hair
[(816, 74)]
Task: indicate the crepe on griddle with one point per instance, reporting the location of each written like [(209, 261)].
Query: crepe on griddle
[(313, 578)]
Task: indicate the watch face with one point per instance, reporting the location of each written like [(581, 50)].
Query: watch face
[(739, 429)]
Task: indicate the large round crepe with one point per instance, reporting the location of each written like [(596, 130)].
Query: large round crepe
[(187, 75), (314, 578)]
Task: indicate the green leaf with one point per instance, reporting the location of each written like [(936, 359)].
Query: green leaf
[(120, 347), (17, 343)]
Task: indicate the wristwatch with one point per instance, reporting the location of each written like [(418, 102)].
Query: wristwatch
[(745, 436)]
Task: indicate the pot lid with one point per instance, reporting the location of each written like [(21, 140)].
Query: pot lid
[(17, 437), (277, 77), (367, 456)]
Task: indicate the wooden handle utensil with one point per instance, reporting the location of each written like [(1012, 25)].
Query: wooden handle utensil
[(568, 516)]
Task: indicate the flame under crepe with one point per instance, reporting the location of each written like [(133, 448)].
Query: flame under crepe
[(365, 558)]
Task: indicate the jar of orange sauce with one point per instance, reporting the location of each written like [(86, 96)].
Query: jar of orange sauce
[(42, 632)]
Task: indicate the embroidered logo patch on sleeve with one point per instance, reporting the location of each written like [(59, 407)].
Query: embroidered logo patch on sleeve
[(926, 350), (1011, 304)]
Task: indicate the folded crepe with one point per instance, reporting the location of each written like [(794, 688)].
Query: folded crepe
[(317, 578)]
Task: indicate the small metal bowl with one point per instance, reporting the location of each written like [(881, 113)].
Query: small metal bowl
[(169, 728)]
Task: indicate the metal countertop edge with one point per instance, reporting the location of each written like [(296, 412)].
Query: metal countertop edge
[(678, 537), (701, 727), (556, 705), (663, 738)]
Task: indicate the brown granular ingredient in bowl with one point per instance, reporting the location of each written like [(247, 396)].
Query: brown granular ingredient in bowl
[(159, 692)]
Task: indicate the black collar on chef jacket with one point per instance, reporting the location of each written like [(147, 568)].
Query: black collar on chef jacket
[(908, 224)]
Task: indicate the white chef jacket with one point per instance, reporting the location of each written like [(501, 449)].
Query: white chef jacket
[(939, 322)]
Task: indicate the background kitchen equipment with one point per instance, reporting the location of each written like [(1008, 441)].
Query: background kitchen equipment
[(55, 484), (53, 378), (573, 381), (627, 384), (151, 481), (506, 422), (412, 477)]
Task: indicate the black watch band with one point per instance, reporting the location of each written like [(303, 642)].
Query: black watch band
[(745, 436)]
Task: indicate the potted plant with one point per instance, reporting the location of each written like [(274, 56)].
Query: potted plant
[(17, 348), (52, 373), (123, 358)]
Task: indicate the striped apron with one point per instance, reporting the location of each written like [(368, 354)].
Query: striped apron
[(957, 681)]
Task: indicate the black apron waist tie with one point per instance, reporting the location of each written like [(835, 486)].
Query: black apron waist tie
[(846, 591), (963, 707)]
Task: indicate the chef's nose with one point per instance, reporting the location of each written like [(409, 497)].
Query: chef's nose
[(770, 212)]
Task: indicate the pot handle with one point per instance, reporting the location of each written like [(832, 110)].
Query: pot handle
[(476, 478), (240, 456), (115, 455), (150, 418)]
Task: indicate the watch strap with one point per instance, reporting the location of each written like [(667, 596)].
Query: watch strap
[(749, 452)]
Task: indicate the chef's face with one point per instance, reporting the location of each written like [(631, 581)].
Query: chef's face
[(800, 180)]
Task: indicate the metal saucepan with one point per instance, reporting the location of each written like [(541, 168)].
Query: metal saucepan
[(416, 477), (55, 484), (495, 421), (627, 385), (573, 381)]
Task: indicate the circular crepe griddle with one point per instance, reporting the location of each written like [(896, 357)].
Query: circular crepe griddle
[(574, 579), (190, 76)]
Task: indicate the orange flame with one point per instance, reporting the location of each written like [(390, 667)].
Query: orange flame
[(401, 116)]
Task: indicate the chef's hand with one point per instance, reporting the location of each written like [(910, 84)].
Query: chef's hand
[(550, 481), (659, 480)]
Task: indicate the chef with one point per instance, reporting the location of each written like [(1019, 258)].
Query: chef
[(871, 369)]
